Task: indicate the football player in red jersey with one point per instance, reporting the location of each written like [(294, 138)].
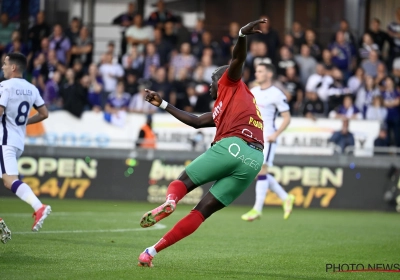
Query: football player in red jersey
[(235, 156)]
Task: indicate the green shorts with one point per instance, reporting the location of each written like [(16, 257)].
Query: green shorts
[(231, 163)]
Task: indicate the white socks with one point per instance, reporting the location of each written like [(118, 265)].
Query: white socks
[(152, 251), (276, 188), (261, 192), (25, 193)]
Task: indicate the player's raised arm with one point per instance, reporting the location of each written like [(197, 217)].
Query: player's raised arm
[(204, 120), (240, 49)]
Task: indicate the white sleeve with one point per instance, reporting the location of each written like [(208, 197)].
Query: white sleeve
[(281, 103), (4, 95), (39, 102), (120, 71)]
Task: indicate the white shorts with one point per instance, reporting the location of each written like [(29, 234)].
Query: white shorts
[(9, 156), (269, 153)]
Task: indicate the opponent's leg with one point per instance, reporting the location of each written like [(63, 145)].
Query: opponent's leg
[(5, 233), (288, 199), (186, 226), (261, 191)]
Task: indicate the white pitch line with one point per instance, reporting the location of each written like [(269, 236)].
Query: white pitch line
[(155, 227)]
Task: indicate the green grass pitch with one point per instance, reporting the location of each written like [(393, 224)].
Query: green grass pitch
[(102, 239)]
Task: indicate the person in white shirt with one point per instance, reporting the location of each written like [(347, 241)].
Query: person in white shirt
[(138, 35), (110, 73), (270, 100), (17, 97)]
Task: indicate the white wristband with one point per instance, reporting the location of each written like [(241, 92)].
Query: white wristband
[(240, 33), (163, 105)]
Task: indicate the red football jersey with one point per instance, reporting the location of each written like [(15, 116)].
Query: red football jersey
[(235, 112)]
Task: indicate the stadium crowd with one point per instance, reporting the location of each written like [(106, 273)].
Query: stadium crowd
[(348, 78)]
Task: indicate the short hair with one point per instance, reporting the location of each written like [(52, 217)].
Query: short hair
[(220, 71), (269, 67), (18, 59)]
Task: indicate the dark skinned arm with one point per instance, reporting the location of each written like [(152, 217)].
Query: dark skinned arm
[(240, 50), (204, 120)]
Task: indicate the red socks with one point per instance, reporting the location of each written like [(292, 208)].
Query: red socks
[(185, 227), (176, 190)]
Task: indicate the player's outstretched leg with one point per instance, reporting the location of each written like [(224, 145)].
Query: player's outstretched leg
[(186, 226), (288, 199), (175, 192), (261, 192), (5, 233), (24, 192)]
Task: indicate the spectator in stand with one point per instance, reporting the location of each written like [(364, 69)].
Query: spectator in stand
[(52, 65), (229, 40), (184, 60), (313, 106), (6, 29), (75, 97), (134, 61), (260, 56), (381, 140), (82, 48), (152, 59), (16, 45), (161, 85), (347, 110), (138, 34), (394, 34), (111, 50), (370, 65), (78, 68), (336, 90), (110, 73), (51, 95), (391, 100), (159, 17), (378, 36), (96, 96), (60, 44), (297, 34), (116, 106), (38, 32), (195, 36), (343, 138), (37, 78), (138, 103), (192, 101), (355, 82), (163, 47), (345, 29), (343, 54), (72, 32), (367, 45), (44, 48), (182, 33), (366, 94), (327, 60), (269, 36), (68, 84), (207, 42), (169, 33), (124, 20), (131, 82), (314, 82), (306, 63), (381, 76), (376, 111), (294, 87), (288, 41), (204, 70), (311, 42), (286, 60)]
